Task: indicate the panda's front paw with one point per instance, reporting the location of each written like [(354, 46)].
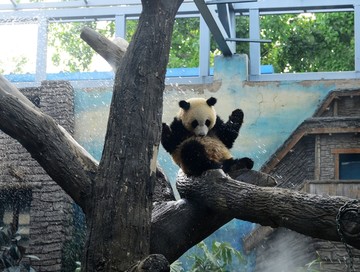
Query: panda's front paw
[(166, 132), (237, 116)]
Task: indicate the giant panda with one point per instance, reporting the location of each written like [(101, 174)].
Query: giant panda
[(198, 140)]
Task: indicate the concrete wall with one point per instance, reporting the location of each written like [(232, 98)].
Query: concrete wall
[(272, 109)]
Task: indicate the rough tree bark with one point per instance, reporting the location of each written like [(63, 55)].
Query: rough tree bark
[(124, 225), (119, 221)]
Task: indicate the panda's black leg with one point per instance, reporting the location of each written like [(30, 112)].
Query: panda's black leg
[(236, 164), (194, 159)]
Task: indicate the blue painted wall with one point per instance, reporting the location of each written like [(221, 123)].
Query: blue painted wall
[(272, 111)]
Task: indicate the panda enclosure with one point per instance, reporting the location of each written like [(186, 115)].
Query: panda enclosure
[(133, 220)]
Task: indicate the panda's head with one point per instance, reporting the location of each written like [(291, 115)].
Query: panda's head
[(198, 115)]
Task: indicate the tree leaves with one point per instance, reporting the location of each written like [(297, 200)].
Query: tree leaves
[(217, 259), (309, 42)]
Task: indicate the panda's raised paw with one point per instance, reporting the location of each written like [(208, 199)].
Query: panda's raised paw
[(237, 116)]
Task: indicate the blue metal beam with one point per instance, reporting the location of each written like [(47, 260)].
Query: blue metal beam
[(216, 28), (254, 47)]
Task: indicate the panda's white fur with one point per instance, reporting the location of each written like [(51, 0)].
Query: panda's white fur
[(198, 140), (201, 112)]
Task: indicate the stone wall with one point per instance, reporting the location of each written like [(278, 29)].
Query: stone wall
[(344, 106), (328, 143), (297, 165), (51, 209)]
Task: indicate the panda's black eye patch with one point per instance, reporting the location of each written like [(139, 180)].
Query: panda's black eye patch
[(194, 123), (207, 122)]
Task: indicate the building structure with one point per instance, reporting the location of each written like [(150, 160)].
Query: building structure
[(322, 156), (29, 199)]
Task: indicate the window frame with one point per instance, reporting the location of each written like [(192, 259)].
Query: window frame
[(337, 152)]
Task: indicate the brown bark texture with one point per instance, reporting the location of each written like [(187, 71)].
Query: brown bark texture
[(129, 205), (119, 223)]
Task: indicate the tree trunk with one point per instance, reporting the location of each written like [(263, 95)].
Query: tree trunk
[(117, 195), (119, 223)]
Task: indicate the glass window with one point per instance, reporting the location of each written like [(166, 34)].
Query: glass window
[(22, 59), (349, 166)]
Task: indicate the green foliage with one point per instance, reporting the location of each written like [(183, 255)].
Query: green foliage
[(78, 267), (217, 259), (309, 42), (20, 61), (11, 254), (300, 43), (131, 26), (176, 267), (70, 51), (242, 31), (185, 48), (313, 266)]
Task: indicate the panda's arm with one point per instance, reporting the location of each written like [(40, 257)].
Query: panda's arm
[(174, 135), (228, 132)]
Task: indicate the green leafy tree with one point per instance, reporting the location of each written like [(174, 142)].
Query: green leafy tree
[(300, 43), (184, 51), (309, 42), (217, 259), (242, 31), (12, 254), (70, 51)]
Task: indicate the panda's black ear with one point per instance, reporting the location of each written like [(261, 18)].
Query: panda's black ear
[(184, 105), (211, 101)]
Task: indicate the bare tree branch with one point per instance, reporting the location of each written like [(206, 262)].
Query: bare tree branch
[(66, 162), (112, 52), (312, 215), (179, 225)]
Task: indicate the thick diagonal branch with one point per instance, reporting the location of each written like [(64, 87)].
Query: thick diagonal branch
[(312, 215), (66, 162), (179, 225), (110, 51)]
